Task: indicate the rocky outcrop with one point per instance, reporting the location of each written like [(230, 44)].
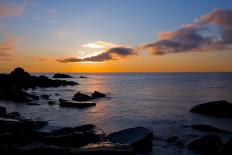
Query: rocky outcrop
[(59, 75), (220, 108), (138, 137), (208, 144), (13, 85), (81, 97), (97, 94)]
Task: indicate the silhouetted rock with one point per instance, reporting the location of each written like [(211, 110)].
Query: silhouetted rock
[(104, 148), (207, 128), (217, 108), (76, 137), (59, 75), (81, 97), (14, 115), (76, 104), (208, 144), (226, 148), (83, 77), (13, 85), (97, 94), (139, 137), (2, 111)]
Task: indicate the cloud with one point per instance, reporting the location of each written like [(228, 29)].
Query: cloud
[(11, 10), (6, 47), (113, 53), (209, 32)]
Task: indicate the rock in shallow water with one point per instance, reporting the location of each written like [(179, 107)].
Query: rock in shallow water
[(104, 148), (76, 104), (208, 144), (81, 97), (220, 108), (138, 137), (59, 75), (97, 94)]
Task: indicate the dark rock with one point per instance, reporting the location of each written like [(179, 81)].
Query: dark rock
[(83, 77), (14, 115), (139, 137), (180, 144), (104, 148), (208, 128), (81, 97), (57, 94), (208, 144), (51, 102), (77, 104), (59, 75), (172, 139), (45, 97), (13, 85), (220, 108), (19, 125), (2, 111), (226, 148), (97, 94), (76, 137), (62, 100)]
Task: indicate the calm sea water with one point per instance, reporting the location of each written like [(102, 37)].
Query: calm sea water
[(158, 101)]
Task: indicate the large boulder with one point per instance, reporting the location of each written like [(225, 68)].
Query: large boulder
[(97, 94), (208, 144), (59, 75), (76, 136), (138, 137), (220, 108), (81, 97), (104, 148)]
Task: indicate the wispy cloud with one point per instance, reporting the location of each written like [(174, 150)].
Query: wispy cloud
[(10, 10), (6, 47), (209, 32)]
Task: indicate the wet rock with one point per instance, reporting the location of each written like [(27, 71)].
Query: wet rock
[(14, 115), (208, 144), (83, 77), (19, 125), (81, 97), (97, 94), (77, 104), (220, 108), (226, 148), (208, 128), (172, 139), (76, 137), (138, 137), (59, 75), (45, 97), (104, 148), (2, 111)]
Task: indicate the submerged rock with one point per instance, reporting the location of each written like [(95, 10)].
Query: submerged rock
[(81, 97), (208, 128), (59, 75), (97, 94), (220, 108), (77, 104), (208, 144), (104, 148), (138, 137)]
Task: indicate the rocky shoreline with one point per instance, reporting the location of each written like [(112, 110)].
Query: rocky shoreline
[(20, 135)]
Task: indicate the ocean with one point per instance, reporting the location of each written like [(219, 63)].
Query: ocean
[(157, 101)]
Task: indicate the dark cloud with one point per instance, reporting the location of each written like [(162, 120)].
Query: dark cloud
[(110, 54), (212, 31)]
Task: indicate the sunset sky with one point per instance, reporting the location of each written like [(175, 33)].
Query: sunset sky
[(116, 35)]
